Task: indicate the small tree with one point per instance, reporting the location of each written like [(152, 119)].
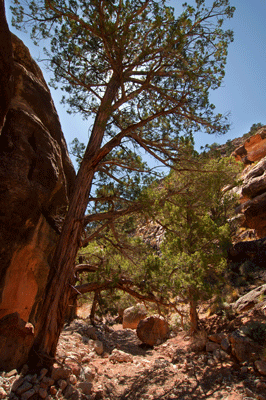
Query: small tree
[(253, 130), (194, 214), (144, 76)]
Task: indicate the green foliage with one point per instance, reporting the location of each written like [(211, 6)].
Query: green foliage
[(194, 212), (77, 149), (211, 151), (253, 130), (165, 65)]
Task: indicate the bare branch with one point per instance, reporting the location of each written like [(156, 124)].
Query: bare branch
[(112, 214), (93, 235), (86, 267), (125, 285)]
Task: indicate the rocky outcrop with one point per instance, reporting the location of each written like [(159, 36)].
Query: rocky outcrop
[(253, 198), (253, 149), (36, 176), (256, 298), (253, 188), (16, 338), (151, 233), (133, 315)]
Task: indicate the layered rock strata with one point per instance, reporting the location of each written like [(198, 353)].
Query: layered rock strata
[(253, 187)]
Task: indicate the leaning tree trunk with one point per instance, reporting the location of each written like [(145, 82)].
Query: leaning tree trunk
[(61, 278)]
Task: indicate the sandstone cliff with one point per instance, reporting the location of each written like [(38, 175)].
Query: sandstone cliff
[(36, 176), (253, 188), (253, 149), (6, 65)]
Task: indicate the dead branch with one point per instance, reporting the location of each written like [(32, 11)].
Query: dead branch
[(125, 285), (86, 267)]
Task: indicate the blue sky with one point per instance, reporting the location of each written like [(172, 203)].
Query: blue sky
[(243, 92)]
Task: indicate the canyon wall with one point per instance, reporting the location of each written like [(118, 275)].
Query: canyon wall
[(253, 187), (36, 177)]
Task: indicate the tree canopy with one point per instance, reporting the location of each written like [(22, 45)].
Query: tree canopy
[(148, 70), (155, 69)]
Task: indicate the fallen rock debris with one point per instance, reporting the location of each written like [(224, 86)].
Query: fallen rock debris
[(126, 369)]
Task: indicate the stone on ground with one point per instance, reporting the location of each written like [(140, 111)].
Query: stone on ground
[(153, 330), (120, 356), (133, 315)]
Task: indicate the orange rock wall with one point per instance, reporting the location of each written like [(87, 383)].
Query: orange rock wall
[(36, 176), (253, 188), (254, 148)]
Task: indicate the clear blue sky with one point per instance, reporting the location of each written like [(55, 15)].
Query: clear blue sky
[(243, 92)]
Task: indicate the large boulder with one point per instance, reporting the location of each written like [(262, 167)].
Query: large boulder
[(243, 348), (255, 298), (133, 315), (16, 338), (36, 177), (153, 330)]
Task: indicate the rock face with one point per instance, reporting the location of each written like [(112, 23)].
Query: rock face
[(16, 338), (36, 176), (151, 233), (253, 189), (253, 198), (133, 315), (153, 330), (6, 65), (253, 149)]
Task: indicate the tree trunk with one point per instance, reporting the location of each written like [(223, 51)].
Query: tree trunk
[(194, 321), (61, 279), (94, 306), (71, 312)]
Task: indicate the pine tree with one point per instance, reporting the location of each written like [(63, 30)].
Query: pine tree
[(194, 211), (144, 75)]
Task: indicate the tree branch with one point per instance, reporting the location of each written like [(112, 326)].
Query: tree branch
[(125, 285)]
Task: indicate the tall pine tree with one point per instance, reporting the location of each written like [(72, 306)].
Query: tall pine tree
[(144, 75)]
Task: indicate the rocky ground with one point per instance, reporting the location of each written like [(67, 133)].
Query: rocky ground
[(110, 363)]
